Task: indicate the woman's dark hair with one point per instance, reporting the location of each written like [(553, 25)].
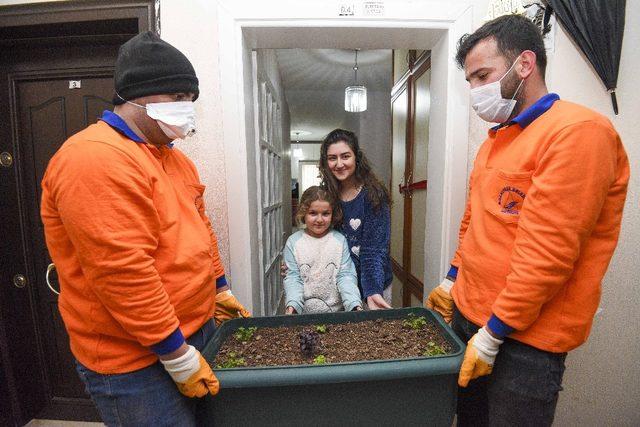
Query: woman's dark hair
[(377, 193), (313, 194), (513, 34)]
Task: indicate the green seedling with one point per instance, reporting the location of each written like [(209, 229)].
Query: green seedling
[(320, 360), (433, 349), (232, 361), (244, 334), (414, 322), (321, 329)]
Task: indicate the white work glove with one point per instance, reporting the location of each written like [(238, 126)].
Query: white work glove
[(192, 374), (441, 301), (479, 357)]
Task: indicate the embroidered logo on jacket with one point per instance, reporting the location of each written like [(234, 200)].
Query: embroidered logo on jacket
[(510, 200)]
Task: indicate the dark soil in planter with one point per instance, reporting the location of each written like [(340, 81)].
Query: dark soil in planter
[(348, 342)]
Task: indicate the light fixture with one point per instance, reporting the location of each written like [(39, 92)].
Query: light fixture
[(295, 134), (297, 152), (355, 96)]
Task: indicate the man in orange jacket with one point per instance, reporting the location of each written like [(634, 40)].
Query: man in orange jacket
[(140, 274), (542, 220)]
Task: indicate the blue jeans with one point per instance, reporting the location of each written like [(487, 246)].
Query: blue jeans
[(521, 391), (147, 397)]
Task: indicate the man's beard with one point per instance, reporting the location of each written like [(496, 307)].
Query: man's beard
[(509, 87)]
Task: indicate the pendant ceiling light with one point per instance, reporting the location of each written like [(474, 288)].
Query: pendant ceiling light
[(355, 97)]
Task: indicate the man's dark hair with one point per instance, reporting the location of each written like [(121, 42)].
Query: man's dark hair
[(513, 34)]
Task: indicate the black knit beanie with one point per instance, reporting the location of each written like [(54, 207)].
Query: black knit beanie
[(147, 65)]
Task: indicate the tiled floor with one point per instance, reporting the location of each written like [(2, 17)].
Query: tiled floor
[(58, 423)]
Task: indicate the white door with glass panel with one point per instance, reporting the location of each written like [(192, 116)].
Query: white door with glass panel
[(270, 175)]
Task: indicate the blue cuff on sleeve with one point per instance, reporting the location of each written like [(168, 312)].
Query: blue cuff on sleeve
[(169, 344), (221, 281), (498, 327), (453, 272)]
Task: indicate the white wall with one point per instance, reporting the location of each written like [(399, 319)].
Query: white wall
[(206, 148), (602, 380)]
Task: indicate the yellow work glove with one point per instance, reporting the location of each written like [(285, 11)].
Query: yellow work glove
[(192, 374), (228, 307), (479, 357), (440, 300)]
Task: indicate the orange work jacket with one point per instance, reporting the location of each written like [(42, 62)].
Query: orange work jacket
[(541, 224), (135, 253)]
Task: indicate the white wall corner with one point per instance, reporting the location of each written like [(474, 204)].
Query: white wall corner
[(449, 142), (241, 263), (455, 186)]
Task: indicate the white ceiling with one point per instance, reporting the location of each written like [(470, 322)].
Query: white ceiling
[(314, 82)]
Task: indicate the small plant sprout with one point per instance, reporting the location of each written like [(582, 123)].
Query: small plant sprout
[(321, 329), (232, 361), (244, 334), (433, 349), (320, 360), (414, 322)]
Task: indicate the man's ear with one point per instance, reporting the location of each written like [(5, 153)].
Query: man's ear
[(527, 64)]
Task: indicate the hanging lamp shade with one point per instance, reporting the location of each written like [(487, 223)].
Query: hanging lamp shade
[(355, 96), (355, 99)]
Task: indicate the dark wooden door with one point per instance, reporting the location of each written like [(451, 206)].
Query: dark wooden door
[(50, 100), (48, 113), (43, 46)]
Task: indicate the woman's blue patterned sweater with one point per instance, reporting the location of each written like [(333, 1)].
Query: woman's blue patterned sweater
[(368, 232)]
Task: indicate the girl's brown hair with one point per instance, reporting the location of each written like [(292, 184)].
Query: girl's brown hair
[(377, 193), (313, 194)]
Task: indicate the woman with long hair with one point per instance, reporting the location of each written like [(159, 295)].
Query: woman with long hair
[(366, 224)]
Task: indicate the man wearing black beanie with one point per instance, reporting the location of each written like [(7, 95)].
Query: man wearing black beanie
[(147, 65), (142, 284)]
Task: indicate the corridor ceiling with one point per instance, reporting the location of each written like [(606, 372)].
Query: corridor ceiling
[(314, 81)]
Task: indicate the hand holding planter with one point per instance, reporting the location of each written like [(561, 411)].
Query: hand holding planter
[(376, 302)]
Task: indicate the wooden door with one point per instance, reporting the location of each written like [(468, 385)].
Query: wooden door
[(48, 113), (43, 46), (49, 94), (410, 127)]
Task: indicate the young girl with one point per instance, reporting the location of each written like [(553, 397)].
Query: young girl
[(346, 175), (320, 274)]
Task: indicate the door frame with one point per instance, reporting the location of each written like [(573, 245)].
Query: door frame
[(287, 24), (41, 16), (407, 82)]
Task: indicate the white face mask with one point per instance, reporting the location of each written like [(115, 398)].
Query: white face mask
[(176, 119), (488, 103)]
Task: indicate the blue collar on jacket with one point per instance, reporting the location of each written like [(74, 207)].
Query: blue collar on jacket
[(116, 122), (525, 118)]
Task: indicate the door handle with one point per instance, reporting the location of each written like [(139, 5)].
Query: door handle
[(50, 268)]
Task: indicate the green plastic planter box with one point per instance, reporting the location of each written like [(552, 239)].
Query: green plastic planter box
[(418, 391)]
